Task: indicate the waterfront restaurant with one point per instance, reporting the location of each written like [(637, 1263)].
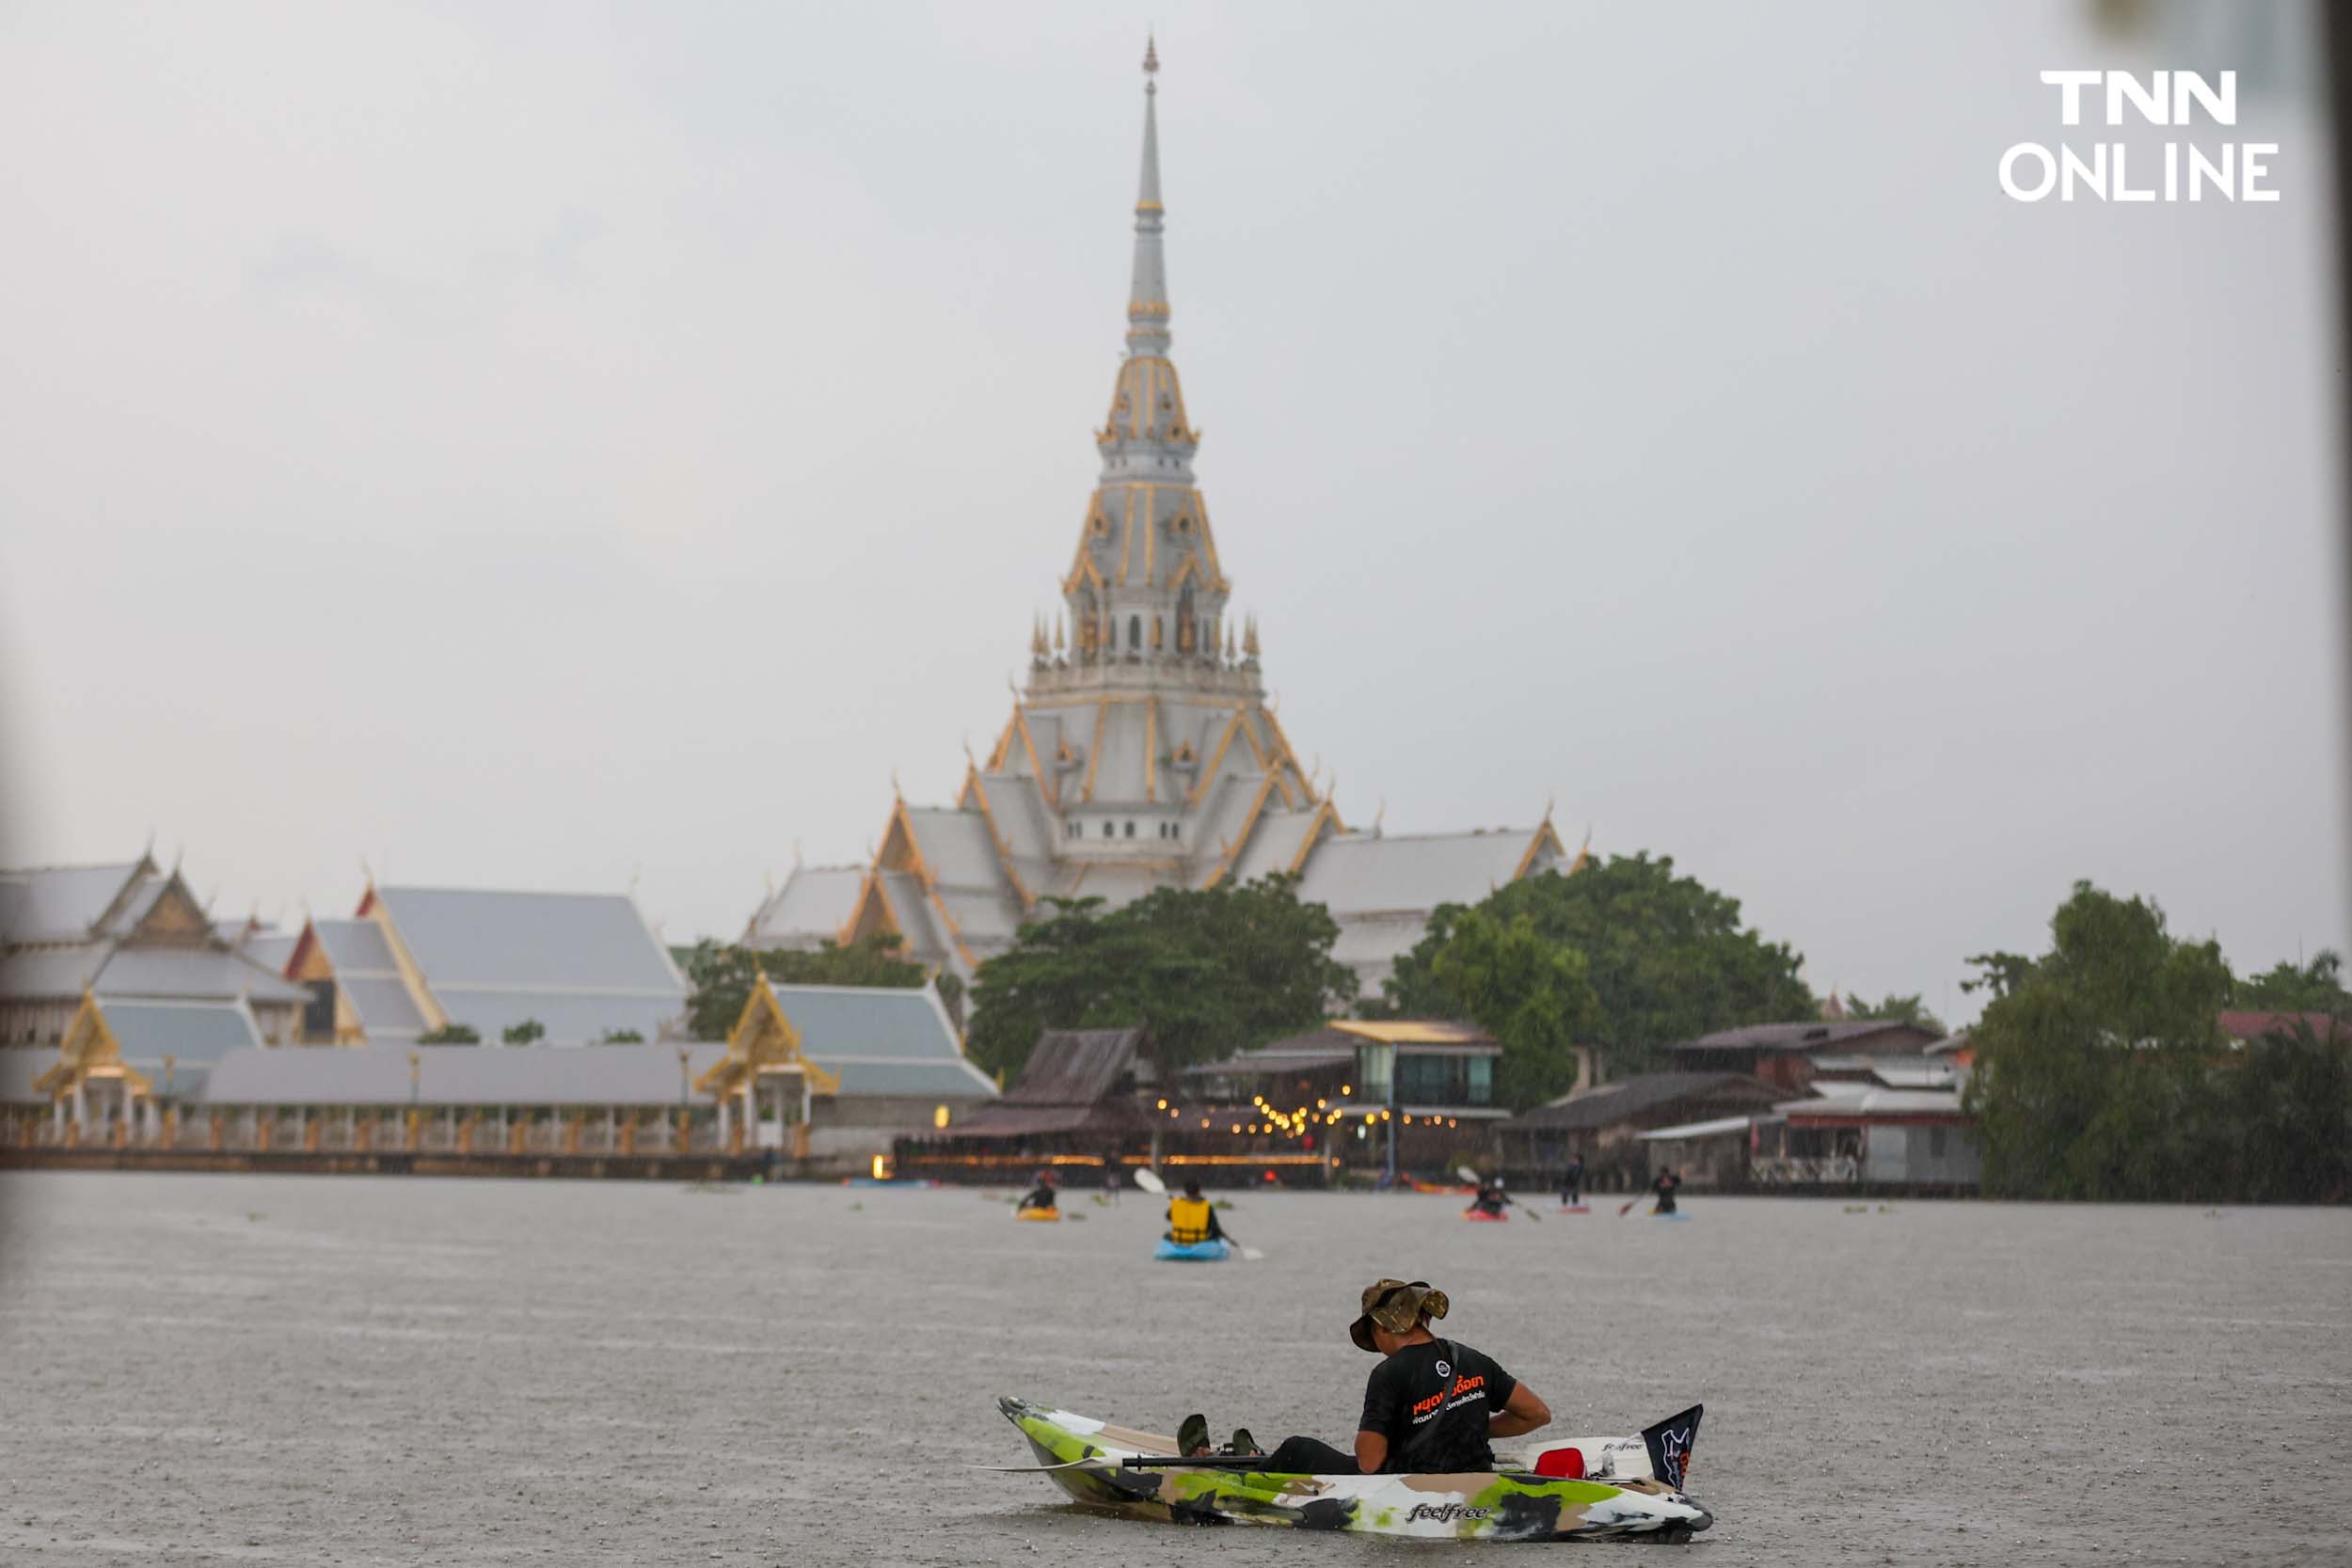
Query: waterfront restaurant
[(1414, 1096)]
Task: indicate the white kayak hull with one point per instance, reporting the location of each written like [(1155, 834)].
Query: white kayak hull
[(1503, 1505)]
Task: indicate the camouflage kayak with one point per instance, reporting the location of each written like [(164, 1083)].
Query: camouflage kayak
[(1585, 1490)]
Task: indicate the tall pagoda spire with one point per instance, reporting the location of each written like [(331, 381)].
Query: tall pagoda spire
[(1145, 593), (1147, 296)]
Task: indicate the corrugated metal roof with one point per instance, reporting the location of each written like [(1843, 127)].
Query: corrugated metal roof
[(1077, 1067), (1871, 1104), (1697, 1129), (1938, 1076), (1610, 1104), (509, 940), (1417, 1030), (186, 1031), (1814, 1035)]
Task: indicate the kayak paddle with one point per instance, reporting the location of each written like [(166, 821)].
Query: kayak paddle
[(1471, 1176), (1150, 1181), (1629, 1202)]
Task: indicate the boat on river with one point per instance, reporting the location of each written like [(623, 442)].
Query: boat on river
[(1585, 1489)]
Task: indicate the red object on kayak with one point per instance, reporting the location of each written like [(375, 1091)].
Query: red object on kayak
[(1482, 1217), (1561, 1463)]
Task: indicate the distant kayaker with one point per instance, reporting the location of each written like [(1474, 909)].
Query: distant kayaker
[(1041, 1195), (1192, 1219), (1432, 1407), (1664, 1187), (1489, 1198), (1572, 1182)]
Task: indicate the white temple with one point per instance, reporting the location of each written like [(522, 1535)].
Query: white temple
[(1142, 752)]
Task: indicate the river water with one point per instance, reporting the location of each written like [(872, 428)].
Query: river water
[(314, 1370)]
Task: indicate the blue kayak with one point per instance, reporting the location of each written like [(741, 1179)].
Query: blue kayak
[(1213, 1251)]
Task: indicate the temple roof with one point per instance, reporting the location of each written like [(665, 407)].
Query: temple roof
[(582, 965), (126, 929), (814, 902), (65, 903)]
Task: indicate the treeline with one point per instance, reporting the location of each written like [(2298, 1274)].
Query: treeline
[(1624, 955), (2103, 1071)]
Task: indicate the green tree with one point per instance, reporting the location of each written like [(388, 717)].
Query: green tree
[(1899, 1009), (1530, 992), (1209, 972), (449, 1034), (2093, 1061), (721, 975), (623, 1036), (1665, 955), (2286, 1109), (524, 1032), (2316, 986), (1998, 972)]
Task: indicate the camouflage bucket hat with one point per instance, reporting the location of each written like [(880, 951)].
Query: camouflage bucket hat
[(1398, 1305)]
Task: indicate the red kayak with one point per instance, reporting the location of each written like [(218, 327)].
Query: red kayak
[(1480, 1216)]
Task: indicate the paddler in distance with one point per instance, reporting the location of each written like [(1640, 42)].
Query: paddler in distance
[(1489, 1198), (1432, 1407), (1041, 1195), (1664, 1187), (1572, 1182), (1192, 1219)]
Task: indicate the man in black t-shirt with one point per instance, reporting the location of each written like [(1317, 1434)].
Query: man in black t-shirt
[(1432, 1406)]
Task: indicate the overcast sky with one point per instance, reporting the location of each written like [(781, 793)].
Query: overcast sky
[(547, 446)]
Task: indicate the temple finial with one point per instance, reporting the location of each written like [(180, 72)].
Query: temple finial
[(1150, 54), (1147, 295)]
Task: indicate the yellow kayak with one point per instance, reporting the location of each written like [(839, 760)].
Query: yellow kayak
[(1048, 1215)]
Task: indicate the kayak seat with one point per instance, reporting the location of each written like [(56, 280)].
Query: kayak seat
[(1565, 1464)]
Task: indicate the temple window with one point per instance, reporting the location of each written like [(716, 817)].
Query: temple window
[(1107, 830), (1135, 632), (1131, 829)]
